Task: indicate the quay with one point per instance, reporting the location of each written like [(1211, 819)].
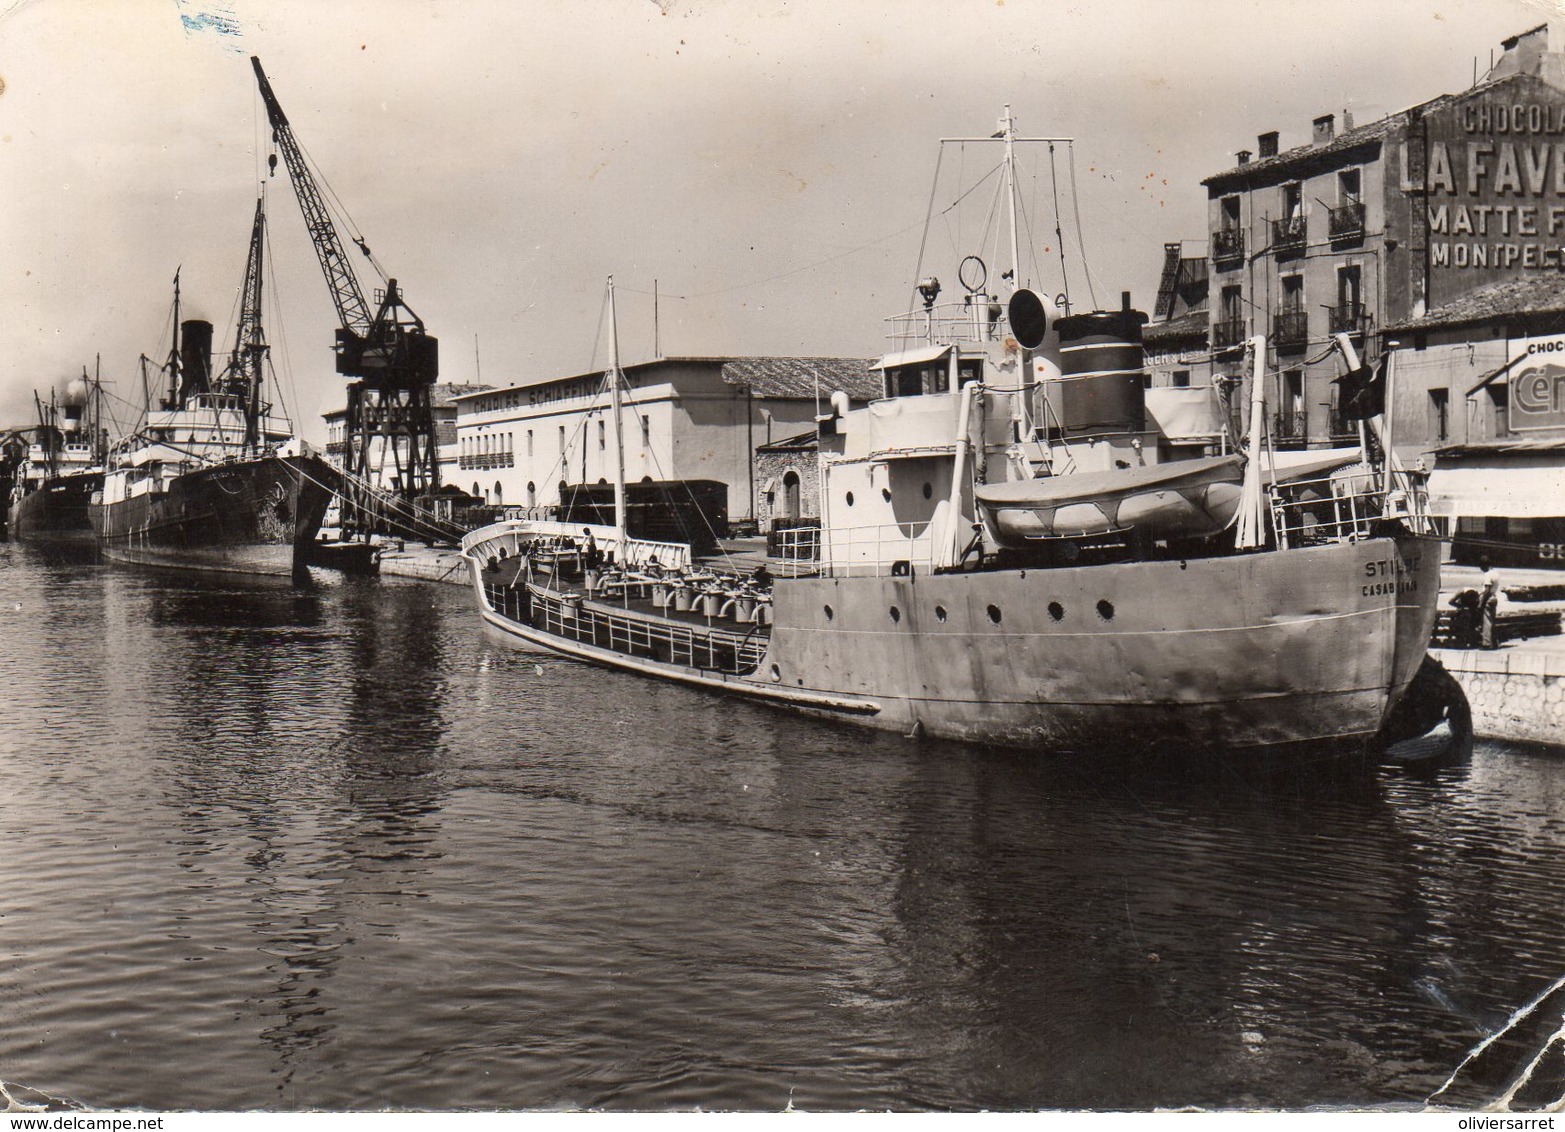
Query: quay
[(1516, 691)]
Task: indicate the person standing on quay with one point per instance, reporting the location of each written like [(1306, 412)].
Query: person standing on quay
[(1489, 601)]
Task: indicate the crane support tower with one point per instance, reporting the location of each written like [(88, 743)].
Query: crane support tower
[(390, 419)]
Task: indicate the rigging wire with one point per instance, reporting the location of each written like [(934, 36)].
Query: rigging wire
[(1059, 235), (1081, 244), (281, 347)]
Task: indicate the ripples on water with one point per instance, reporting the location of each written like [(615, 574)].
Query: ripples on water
[(270, 848)]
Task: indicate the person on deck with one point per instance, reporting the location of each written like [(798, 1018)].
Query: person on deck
[(591, 558)]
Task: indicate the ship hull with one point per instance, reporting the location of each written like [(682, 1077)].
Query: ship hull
[(57, 511), (1306, 647), (251, 516)]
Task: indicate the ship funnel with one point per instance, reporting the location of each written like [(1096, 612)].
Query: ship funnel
[(195, 357), (1101, 380)]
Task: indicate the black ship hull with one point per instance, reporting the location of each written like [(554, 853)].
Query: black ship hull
[(251, 517), (56, 511)]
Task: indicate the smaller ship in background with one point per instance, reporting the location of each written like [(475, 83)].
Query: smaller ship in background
[(62, 467), (213, 480)]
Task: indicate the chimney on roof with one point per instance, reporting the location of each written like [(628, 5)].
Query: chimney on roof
[(1244, 156), (1523, 54), (1347, 121), (1266, 144), (1325, 128)]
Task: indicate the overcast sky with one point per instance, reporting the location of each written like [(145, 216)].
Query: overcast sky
[(769, 164)]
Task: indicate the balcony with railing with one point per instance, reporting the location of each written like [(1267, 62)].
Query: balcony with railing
[(1342, 428), (1228, 332), (1288, 236), (1290, 329), (1346, 223), (1289, 427), (1228, 247), (1346, 318)]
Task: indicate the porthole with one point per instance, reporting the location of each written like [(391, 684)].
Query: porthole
[(828, 611), (896, 614), (940, 613), (850, 499), (994, 614), (885, 493), (776, 675), (1056, 611), (1106, 610), (929, 490)]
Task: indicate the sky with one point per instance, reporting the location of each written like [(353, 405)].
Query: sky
[(764, 166)]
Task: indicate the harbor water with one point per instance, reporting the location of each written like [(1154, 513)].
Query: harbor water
[(270, 847)]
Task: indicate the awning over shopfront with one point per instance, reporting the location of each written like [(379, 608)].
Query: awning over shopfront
[(1520, 481)]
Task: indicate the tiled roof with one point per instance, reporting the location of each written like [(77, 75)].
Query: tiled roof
[(804, 442), (804, 377), (1191, 324), (1263, 168), (1535, 294), (442, 393)]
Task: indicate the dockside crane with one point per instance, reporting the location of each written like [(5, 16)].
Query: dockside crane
[(390, 417)]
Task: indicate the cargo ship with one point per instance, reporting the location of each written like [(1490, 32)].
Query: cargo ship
[(1006, 557), (213, 480), (62, 469)]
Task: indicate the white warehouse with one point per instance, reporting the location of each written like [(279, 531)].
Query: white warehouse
[(682, 419)]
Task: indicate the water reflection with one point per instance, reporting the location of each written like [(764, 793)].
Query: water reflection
[(335, 848)]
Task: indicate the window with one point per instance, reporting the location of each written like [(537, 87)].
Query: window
[(1293, 293), (1181, 379), (1500, 408), (1349, 186), (646, 432), (529, 443), (1233, 303), (1293, 200), (562, 440), (1293, 390), (1440, 413), (1349, 286), (603, 442), (1229, 214)]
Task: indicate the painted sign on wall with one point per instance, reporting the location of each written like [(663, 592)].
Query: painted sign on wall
[(1537, 380), (1495, 175)]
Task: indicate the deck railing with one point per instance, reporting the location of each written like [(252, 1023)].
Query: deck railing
[(871, 551), (1343, 508)]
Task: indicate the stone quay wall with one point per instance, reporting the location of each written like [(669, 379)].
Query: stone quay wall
[(1516, 693)]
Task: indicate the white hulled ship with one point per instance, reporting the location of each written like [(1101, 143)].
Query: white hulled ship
[(1005, 557)]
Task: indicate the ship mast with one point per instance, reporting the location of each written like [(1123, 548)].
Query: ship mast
[(1008, 130), (173, 354), (247, 362), (615, 377)]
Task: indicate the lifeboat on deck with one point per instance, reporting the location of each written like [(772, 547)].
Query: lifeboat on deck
[(1182, 499)]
